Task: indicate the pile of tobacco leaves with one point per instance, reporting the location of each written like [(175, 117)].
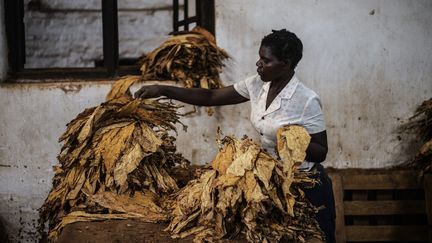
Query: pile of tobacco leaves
[(250, 193), (115, 162), (422, 122), (118, 160), (192, 58)]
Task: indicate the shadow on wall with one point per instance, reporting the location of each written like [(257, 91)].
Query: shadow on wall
[(3, 235)]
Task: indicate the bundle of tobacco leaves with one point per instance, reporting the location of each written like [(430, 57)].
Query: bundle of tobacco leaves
[(249, 192), (115, 162), (192, 58), (422, 122)]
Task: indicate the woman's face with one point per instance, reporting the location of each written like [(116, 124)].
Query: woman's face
[(270, 68)]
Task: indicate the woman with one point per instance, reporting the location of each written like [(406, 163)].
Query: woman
[(277, 98)]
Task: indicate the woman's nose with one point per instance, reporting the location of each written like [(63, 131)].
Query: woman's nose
[(258, 63)]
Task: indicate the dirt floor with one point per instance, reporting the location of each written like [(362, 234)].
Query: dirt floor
[(118, 231)]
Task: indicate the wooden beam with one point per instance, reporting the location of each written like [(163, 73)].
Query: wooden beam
[(387, 233), (338, 196), (406, 233), (386, 207), (389, 181), (427, 182)]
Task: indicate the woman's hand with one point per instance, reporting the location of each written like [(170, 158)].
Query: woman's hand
[(149, 91)]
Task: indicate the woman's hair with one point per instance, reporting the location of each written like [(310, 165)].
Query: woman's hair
[(284, 45)]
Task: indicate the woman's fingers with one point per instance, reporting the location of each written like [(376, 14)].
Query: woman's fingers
[(146, 92), (138, 93)]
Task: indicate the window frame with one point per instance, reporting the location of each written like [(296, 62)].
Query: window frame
[(15, 32), (204, 17)]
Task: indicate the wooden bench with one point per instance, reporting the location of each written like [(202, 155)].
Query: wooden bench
[(377, 205)]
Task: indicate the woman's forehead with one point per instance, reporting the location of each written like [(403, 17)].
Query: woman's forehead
[(265, 51)]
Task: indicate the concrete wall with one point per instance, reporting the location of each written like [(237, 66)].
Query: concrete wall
[(368, 60), (34, 115)]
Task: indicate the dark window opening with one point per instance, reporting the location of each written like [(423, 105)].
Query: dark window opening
[(116, 57)]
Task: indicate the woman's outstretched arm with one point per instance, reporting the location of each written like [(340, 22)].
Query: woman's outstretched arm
[(194, 96)]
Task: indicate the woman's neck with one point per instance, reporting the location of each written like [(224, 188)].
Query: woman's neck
[(278, 84), (276, 87)]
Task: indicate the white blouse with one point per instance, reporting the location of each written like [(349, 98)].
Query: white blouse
[(295, 104)]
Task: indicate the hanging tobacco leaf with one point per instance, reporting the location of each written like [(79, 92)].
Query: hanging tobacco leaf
[(192, 58)]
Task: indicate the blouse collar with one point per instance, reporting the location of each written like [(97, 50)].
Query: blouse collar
[(286, 93)]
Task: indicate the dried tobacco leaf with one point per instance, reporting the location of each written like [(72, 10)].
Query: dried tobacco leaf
[(114, 157), (248, 191), (121, 87), (421, 122), (192, 58)]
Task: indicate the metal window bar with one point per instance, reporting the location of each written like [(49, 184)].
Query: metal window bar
[(14, 15), (110, 35), (14, 23), (204, 15)]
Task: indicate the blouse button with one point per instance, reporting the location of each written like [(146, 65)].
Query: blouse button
[(262, 118), (261, 134)]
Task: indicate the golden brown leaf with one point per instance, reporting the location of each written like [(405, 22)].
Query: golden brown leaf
[(121, 87)]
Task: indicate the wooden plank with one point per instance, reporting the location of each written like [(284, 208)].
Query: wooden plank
[(386, 233), (360, 195), (385, 219), (338, 196), (386, 207), (390, 180), (427, 183)]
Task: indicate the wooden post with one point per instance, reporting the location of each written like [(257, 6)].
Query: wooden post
[(427, 183), (338, 196)]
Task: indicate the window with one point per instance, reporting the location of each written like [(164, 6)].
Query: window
[(110, 63), (205, 15)]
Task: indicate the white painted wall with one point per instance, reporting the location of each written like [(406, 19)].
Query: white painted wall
[(34, 115), (371, 71), (368, 60)]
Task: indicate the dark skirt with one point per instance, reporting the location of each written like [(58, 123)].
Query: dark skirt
[(322, 194)]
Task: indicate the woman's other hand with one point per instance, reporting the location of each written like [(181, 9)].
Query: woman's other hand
[(149, 91)]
